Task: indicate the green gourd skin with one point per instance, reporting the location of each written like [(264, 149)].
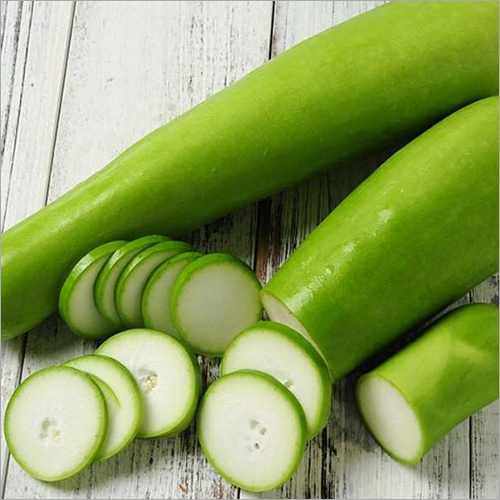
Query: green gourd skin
[(448, 373), (414, 237), (350, 90)]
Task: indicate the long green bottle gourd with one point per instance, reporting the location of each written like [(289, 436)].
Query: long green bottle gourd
[(355, 88), (412, 238)]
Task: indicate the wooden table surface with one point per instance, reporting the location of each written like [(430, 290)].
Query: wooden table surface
[(81, 82)]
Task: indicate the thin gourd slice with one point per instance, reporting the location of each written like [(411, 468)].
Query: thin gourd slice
[(106, 282), (214, 298), (55, 423), (133, 279), (76, 300), (252, 430), (167, 374), (123, 399), (158, 292), (283, 353)]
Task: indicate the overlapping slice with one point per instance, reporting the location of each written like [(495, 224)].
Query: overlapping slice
[(283, 353), (108, 278), (167, 374), (123, 399), (158, 291), (133, 279), (76, 300), (55, 423)]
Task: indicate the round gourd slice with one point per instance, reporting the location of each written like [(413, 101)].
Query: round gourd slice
[(214, 298), (252, 430), (108, 277), (158, 292), (76, 300), (123, 399), (283, 353), (167, 374), (55, 423), (133, 279)]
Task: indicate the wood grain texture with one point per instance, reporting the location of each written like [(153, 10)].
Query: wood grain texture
[(81, 84), (13, 62), (484, 425)]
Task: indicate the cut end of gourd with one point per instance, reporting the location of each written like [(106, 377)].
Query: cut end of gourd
[(390, 418), (278, 312)]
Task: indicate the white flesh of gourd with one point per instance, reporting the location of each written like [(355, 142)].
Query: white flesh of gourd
[(54, 423), (164, 373), (156, 304), (278, 312), (122, 397), (250, 432), (217, 303), (269, 352), (390, 417)]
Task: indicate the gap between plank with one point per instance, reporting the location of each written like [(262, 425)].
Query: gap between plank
[(17, 25), (260, 207), (60, 98)]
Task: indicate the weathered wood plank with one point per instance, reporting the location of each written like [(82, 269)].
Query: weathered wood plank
[(13, 61), (39, 110), (14, 45), (484, 425), (3, 14), (133, 66), (33, 60)]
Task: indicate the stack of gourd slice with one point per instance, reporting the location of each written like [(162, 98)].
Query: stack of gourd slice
[(274, 394), (139, 383), (162, 284), (144, 381), (171, 302)]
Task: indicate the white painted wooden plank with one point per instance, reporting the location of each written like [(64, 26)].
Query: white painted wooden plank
[(133, 66), (39, 98), (31, 54), (3, 13), (484, 425), (14, 36), (13, 61), (484, 453)]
